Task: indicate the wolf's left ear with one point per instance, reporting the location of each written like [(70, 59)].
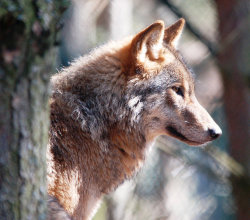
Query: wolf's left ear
[(148, 43), (173, 32)]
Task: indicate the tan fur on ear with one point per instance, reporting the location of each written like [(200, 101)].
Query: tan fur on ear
[(173, 32), (148, 43)]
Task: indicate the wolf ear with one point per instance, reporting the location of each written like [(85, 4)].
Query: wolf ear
[(173, 32), (148, 43)]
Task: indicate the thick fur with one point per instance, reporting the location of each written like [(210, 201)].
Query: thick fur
[(106, 110)]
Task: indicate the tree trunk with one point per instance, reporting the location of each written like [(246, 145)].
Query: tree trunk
[(27, 57), (234, 28), (120, 22)]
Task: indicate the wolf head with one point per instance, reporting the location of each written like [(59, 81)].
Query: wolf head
[(161, 88), (140, 84)]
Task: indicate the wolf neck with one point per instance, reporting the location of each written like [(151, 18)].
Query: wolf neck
[(92, 170), (97, 140), (106, 148)]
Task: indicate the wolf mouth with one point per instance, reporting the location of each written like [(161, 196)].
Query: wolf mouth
[(174, 133)]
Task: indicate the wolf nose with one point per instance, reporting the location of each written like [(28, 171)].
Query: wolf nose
[(214, 134)]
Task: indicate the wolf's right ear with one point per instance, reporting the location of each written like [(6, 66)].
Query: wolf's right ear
[(148, 43)]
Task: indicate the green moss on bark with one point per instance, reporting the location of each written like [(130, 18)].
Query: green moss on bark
[(27, 57)]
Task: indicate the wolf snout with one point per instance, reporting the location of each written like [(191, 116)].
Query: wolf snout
[(214, 132)]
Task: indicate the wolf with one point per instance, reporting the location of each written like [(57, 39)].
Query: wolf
[(108, 107)]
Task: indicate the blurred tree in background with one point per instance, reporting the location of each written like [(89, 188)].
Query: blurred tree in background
[(234, 62), (27, 57)]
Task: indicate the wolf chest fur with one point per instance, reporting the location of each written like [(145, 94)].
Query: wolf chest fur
[(108, 107)]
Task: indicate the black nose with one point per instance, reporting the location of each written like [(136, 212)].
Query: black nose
[(213, 134)]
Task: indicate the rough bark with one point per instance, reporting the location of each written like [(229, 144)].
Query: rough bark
[(233, 57), (27, 57)]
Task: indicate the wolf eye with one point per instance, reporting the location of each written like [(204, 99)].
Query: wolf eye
[(178, 90)]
